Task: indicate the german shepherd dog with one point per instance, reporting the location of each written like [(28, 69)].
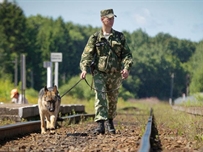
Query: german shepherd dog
[(49, 104)]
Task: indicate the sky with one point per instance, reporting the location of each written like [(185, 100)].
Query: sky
[(179, 18)]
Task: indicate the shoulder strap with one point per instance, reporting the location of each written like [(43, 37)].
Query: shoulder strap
[(111, 48)]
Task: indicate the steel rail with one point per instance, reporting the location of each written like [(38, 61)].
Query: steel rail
[(145, 145), (22, 128)]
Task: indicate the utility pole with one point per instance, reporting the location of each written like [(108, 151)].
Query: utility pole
[(23, 77), (171, 92), (32, 78), (187, 84), (16, 72)]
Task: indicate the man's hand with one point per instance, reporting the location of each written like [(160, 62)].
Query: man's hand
[(124, 73), (83, 74)]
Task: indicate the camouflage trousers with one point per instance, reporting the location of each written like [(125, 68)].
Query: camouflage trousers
[(105, 98)]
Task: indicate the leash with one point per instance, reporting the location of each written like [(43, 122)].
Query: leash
[(71, 88), (100, 90), (90, 87)]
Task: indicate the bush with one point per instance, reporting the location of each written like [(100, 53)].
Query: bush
[(5, 89)]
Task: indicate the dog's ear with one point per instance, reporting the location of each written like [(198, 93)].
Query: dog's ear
[(55, 89), (45, 88)]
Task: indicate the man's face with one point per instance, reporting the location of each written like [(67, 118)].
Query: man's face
[(108, 22)]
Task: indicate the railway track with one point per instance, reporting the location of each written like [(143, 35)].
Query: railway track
[(76, 136)]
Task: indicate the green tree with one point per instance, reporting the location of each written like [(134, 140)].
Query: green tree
[(12, 34), (154, 62), (78, 39), (36, 74), (46, 36), (196, 69)]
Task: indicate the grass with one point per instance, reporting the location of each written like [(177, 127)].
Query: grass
[(192, 104), (181, 123), (6, 122)]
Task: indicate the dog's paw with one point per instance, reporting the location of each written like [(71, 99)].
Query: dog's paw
[(43, 132), (52, 131)]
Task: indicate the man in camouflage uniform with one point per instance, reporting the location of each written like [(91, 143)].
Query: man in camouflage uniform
[(112, 61)]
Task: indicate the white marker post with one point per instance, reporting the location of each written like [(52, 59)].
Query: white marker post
[(56, 57), (48, 65)]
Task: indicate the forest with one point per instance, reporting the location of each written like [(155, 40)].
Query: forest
[(163, 66)]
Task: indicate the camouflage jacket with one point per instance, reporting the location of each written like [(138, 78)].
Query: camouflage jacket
[(110, 55)]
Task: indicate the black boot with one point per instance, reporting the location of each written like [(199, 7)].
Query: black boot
[(110, 126), (100, 129)]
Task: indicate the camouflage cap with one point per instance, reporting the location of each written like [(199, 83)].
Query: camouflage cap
[(107, 13)]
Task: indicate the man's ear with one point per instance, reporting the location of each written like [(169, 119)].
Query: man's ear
[(102, 19)]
